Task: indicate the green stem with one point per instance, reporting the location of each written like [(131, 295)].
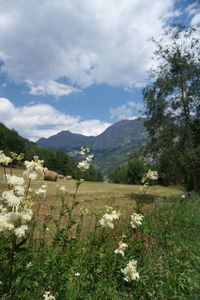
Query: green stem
[(28, 187), (11, 261), (4, 170)]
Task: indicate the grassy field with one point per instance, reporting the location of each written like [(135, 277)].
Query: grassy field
[(93, 196), (81, 263)]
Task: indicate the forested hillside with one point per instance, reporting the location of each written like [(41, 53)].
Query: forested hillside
[(56, 160)]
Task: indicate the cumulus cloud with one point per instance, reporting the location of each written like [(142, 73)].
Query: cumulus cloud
[(194, 11), (51, 88), (42, 120), (85, 41), (128, 111)]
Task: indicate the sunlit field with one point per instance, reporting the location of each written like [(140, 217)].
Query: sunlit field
[(93, 196), (145, 245)]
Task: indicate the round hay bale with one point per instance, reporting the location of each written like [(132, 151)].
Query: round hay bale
[(68, 177), (50, 176)]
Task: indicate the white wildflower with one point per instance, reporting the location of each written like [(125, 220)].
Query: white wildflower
[(19, 190), (40, 192), (30, 175), (44, 186), (122, 247), (77, 274), (34, 168), (183, 196), (26, 215), (130, 272), (63, 189), (84, 211), (21, 231), (108, 218), (15, 180), (81, 153), (83, 165), (89, 157), (10, 199), (4, 160), (108, 208), (48, 296), (5, 224), (136, 220), (13, 216), (29, 265)]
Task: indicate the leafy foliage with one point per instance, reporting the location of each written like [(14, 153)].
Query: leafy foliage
[(173, 107), (130, 173)]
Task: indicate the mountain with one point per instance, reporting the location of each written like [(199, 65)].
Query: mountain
[(59, 161), (120, 133), (66, 140), (111, 148)]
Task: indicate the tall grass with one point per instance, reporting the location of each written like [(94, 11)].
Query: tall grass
[(157, 256), (166, 247)]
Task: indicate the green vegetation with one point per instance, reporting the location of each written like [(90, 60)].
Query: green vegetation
[(173, 108), (83, 265), (132, 172), (56, 160), (108, 161), (135, 249)]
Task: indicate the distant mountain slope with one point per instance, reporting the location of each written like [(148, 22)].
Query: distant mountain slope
[(59, 161), (120, 133), (66, 140), (111, 148)]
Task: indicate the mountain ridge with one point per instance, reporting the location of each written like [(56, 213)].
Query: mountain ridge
[(112, 137), (111, 148)]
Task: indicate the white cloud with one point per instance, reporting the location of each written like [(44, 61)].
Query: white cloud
[(85, 41), (194, 11), (42, 120), (51, 88), (127, 111)]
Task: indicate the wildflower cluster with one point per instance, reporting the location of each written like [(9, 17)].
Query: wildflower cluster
[(85, 164), (130, 271), (4, 160), (145, 181), (42, 191), (34, 168), (107, 220), (122, 247), (15, 208), (136, 220), (48, 296)]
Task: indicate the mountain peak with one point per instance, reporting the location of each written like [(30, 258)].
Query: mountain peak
[(114, 136)]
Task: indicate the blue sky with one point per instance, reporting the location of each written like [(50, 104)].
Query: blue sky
[(79, 65)]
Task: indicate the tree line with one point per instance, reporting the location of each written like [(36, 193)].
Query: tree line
[(56, 160)]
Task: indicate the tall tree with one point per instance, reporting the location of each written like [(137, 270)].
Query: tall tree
[(172, 102)]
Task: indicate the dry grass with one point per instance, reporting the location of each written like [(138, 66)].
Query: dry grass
[(93, 196)]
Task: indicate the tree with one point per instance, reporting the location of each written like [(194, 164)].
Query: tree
[(172, 101), (136, 170)]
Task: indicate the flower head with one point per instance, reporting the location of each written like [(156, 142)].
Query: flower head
[(21, 231), (130, 271), (83, 165), (108, 218), (4, 160), (122, 247), (136, 220), (48, 296)]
